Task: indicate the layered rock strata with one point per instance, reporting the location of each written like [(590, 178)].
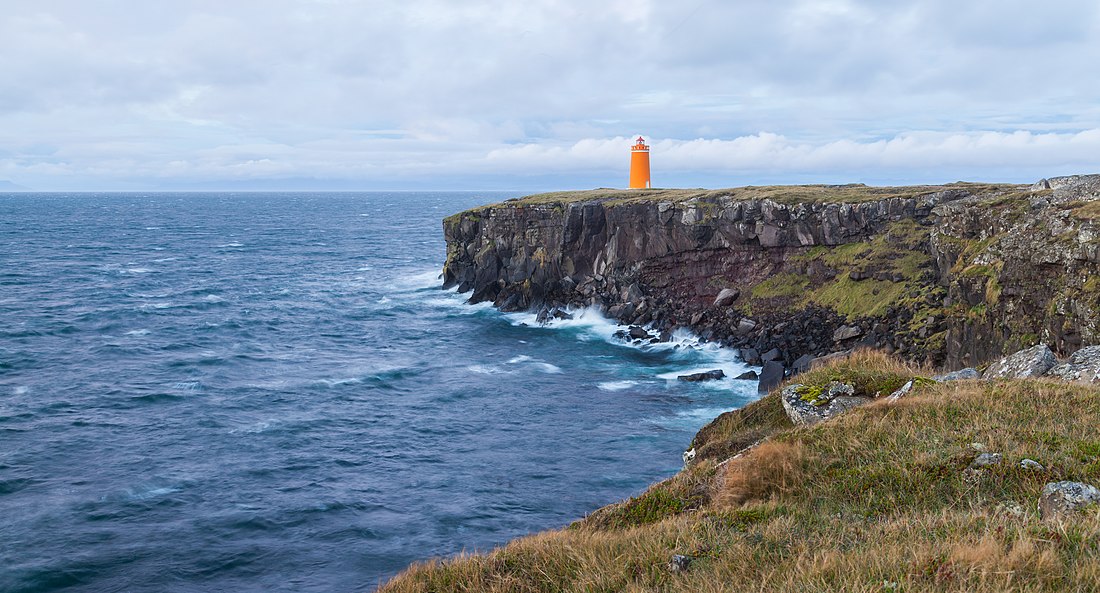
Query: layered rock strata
[(954, 275)]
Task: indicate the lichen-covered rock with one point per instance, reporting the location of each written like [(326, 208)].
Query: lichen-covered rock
[(1033, 362), (986, 460), (1061, 500), (960, 375), (807, 405), (1032, 465), (1083, 366)]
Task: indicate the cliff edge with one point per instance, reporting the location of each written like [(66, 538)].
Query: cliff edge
[(952, 275)]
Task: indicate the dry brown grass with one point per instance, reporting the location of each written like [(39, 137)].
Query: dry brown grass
[(772, 468), (876, 500)]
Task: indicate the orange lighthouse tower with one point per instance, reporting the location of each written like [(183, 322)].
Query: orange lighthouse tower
[(639, 165)]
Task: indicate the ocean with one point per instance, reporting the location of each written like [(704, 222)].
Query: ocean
[(270, 392)]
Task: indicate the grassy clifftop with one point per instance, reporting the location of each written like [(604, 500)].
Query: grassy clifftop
[(878, 499), (783, 194)]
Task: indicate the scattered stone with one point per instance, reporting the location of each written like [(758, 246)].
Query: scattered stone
[(679, 563), (751, 356), (1083, 366), (1032, 362), (847, 332), (829, 401), (820, 360), (1031, 464), (858, 275), (745, 326), (560, 314), (986, 460), (696, 319), (770, 376), (1062, 499), (1010, 507), (638, 332), (901, 392), (802, 364), (704, 376), (727, 297), (977, 447), (773, 354), (747, 376), (960, 375)]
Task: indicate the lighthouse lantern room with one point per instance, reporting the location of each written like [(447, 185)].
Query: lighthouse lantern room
[(639, 165)]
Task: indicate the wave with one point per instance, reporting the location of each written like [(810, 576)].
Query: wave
[(616, 385)]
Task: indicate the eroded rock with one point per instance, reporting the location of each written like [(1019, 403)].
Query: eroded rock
[(1083, 366), (960, 375), (1033, 362), (807, 405), (1061, 500), (726, 297), (704, 376)]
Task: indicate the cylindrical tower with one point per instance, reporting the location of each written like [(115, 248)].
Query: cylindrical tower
[(639, 165)]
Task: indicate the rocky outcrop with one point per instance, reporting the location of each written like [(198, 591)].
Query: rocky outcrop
[(1033, 362), (807, 405), (1061, 500), (952, 275)]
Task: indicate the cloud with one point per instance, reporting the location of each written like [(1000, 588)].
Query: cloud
[(117, 94)]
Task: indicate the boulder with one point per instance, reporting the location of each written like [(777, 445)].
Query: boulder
[(986, 460), (751, 356), (726, 297), (802, 364), (679, 563), (1033, 362), (770, 376), (704, 376), (745, 326), (1061, 500), (773, 354), (638, 332), (1031, 464), (1083, 366), (747, 376), (847, 332), (960, 375), (827, 402)]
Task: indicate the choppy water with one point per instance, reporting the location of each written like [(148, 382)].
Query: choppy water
[(269, 392)]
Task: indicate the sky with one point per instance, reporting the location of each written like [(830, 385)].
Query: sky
[(543, 94)]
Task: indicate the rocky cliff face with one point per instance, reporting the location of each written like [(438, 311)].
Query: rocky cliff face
[(955, 275)]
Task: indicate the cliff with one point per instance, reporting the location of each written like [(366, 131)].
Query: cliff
[(951, 275)]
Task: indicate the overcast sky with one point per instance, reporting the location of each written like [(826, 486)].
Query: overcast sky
[(543, 94)]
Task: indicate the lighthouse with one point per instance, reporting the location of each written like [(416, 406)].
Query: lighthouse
[(639, 165)]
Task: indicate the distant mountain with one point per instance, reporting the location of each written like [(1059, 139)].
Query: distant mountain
[(6, 185)]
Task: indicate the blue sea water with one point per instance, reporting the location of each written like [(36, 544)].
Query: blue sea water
[(270, 392)]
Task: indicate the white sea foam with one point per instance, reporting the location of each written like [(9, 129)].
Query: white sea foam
[(616, 385), (135, 271), (487, 369), (338, 382), (548, 368), (21, 390), (213, 298), (232, 244), (138, 332), (519, 359)]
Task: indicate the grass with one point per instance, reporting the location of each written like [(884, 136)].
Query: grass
[(875, 500), (784, 194)]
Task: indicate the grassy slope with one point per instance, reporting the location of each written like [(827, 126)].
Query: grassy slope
[(876, 500)]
